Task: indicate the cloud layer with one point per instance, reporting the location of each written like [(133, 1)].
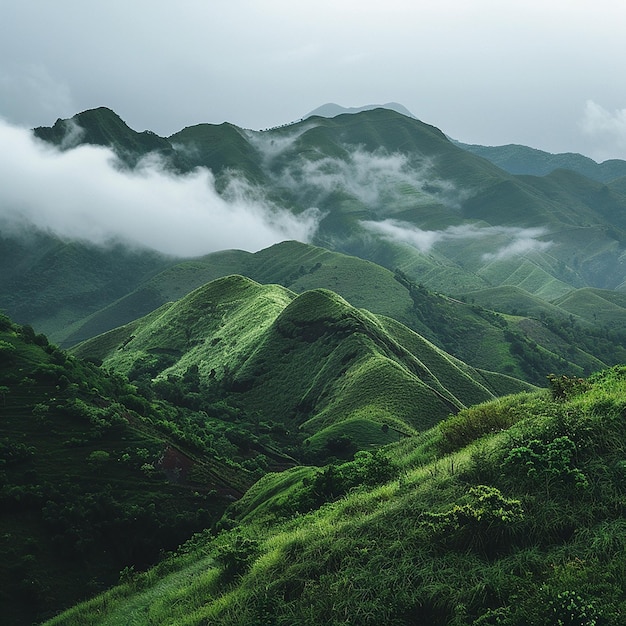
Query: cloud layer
[(83, 194), (519, 241), (378, 179)]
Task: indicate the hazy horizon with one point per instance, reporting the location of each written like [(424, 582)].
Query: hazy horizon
[(532, 73)]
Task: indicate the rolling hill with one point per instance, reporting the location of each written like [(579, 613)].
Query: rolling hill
[(510, 513), (310, 362)]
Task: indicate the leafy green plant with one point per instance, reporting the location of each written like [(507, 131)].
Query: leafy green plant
[(538, 460), (481, 521), (236, 554), (569, 608), (566, 387), (469, 424)]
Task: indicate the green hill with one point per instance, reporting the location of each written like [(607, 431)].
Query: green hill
[(393, 190), (53, 284), (472, 333), (219, 148), (518, 159), (597, 306), (310, 362), (509, 513)]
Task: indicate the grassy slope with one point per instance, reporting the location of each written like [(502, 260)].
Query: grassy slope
[(511, 513), (311, 361), (52, 285), (471, 335), (596, 306)]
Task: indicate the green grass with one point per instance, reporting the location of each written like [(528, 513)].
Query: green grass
[(503, 530), (309, 362)]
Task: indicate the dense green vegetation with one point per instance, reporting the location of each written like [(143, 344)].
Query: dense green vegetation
[(509, 513), (95, 477), (346, 434), (311, 363)]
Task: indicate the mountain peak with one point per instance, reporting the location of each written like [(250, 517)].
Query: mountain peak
[(331, 109)]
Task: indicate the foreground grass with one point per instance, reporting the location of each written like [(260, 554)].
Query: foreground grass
[(511, 513)]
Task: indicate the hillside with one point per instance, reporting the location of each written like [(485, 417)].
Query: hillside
[(72, 292), (510, 513), (311, 363), (518, 159), (470, 332), (396, 191), (328, 417), (95, 478), (52, 284)]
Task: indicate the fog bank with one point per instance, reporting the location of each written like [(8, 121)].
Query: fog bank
[(83, 194)]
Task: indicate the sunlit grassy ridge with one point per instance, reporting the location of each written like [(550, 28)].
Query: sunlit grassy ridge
[(310, 361), (469, 332), (511, 513)]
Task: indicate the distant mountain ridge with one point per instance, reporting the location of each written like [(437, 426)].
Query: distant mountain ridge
[(518, 159), (332, 110), (390, 189)]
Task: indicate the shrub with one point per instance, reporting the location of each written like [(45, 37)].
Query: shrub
[(479, 523), (98, 456), (236, 554), (474, 422), (566, 387), (538, 460)]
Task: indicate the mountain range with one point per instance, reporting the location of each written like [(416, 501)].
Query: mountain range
[(385, 375)]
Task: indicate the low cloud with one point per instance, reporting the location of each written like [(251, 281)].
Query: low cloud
[(523, 242), (377, 179), (83, 194), (518, 241), (606, 129), (273, 145)]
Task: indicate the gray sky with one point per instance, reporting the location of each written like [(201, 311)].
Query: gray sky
[(544, 73)]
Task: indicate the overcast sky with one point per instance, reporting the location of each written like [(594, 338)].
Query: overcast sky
[(544, 73)]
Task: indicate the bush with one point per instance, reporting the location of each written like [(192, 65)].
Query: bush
[(540, 461), (478, 524), (566, 387), (472, 423), (236, 554)]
